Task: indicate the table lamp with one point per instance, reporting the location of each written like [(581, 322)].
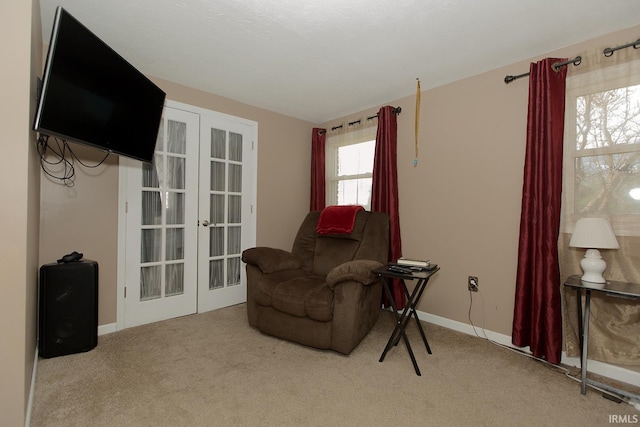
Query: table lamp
[(593, 234)]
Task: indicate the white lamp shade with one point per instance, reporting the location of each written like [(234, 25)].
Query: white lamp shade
[(593, 233)]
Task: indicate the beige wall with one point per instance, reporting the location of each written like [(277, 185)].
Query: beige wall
[(21, 47), (461, 205), (85, 217)]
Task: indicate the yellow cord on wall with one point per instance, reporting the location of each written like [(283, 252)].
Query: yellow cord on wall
[(415, 160)]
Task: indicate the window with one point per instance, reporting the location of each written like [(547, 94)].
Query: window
[(602, 150), (349, 167)]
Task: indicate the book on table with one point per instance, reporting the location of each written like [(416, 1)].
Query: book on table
[(413, 262)]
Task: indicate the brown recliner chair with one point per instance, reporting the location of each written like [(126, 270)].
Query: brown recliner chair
[(323, 293)]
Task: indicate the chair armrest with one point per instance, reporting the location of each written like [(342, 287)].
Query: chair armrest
[(357, 270), (270, 260)]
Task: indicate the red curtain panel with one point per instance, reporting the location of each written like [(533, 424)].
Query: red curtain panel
[(537, 320), (384, 192), (318, 138)]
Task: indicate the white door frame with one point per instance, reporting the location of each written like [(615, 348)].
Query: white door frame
[(122, 191)]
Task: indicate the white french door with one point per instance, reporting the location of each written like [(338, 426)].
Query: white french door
[(226, 217), (187, 217)]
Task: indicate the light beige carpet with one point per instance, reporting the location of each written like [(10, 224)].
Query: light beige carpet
[(213, 369)]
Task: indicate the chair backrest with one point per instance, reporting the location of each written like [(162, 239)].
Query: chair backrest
[(321, 253)]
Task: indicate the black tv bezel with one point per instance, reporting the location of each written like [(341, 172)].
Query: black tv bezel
[(45, 82)]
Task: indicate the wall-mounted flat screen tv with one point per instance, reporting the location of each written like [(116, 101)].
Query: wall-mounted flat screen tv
[(91, 95)]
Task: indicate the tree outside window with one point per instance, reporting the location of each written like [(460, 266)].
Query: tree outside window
[(601, 171), (607, 152)]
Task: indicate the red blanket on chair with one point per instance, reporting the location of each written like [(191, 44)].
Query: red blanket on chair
[(337, 219)]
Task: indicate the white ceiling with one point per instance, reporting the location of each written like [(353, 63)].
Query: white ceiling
[(319, 60)]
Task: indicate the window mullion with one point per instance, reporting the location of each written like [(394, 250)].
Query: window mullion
[(358, 176)]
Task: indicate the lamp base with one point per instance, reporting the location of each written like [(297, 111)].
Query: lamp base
[(593, 266)]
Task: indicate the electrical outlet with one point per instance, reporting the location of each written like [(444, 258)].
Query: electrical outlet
[(472, 284)]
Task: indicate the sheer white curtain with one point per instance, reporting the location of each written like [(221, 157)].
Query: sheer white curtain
[(602, 179)]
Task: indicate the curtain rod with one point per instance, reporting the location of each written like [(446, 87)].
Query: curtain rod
[(396, 110), (609, 51), (606, 52), (556, 67)]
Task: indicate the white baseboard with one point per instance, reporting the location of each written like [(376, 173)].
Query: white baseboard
[(107, 329), (610, 371)]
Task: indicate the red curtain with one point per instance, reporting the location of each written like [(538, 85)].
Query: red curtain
[(318, 138), (384, 191), (537, 320)]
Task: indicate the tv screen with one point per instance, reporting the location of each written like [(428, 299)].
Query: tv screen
[(92, 95)]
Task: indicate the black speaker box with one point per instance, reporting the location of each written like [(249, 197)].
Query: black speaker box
[(68, 318)]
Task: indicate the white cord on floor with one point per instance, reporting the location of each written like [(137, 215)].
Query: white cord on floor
[(567, 373)]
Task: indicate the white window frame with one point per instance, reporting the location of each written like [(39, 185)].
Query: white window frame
[(332, 144), (579, 85)]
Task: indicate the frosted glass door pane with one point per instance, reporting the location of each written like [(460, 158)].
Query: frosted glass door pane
[(235, 147), (149, 176), (216, 242), (217, 176), (150, 282), (175, 208), (216, 274), (218, 144), (174, 279), (233, 271), (151, 245), (235, 178), (233, 241), (177, 137), (151, 208), (235, 209), (176, 173), (217, 209), (174, 244)]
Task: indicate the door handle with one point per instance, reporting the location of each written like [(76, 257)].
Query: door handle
[(205, 223)]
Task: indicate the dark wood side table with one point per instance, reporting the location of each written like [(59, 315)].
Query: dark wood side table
[(402, 319), (611, 288)]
